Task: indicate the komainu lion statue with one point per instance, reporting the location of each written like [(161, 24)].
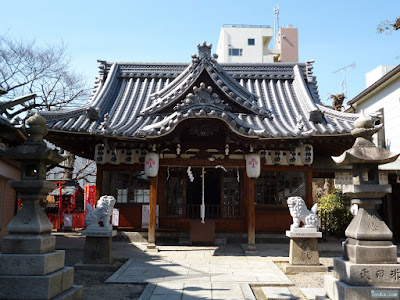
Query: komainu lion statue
[(300, 213), (101, 213)]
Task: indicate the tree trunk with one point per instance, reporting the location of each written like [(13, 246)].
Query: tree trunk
[(69, 167)]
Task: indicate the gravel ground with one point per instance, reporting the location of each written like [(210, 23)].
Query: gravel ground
[(94, 287)]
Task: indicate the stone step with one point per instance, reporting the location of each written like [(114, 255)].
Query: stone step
[(75, 292), (220, 241)]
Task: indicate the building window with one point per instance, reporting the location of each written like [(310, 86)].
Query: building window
[(232, 194), (251, 42), (273, 188), (235, 52), (174, 192), (127, 186), (379, 137), (122, 195)]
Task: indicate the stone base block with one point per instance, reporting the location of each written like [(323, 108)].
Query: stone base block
[(31, 264), (74, 293), (338, 290), (151, 247), (36, 287), (98, 250), (98, 267), (251, 253), (382, 275), (369, 252), (303, 233), (99, 233), (28, 243), (292, 269), (303, 251)]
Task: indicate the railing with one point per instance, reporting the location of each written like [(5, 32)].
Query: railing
[(213, 211), (246, 26)]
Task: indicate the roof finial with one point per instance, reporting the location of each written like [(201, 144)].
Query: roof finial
[(204, 50)]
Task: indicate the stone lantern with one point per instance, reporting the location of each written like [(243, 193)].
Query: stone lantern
[(369, 262), (30, 267)]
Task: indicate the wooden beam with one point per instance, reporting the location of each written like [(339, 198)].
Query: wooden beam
[(152, 213), (182, 162)]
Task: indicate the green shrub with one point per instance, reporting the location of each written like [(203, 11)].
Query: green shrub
[(333, 209)]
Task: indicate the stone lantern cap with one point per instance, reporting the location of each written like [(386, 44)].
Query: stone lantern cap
[(364, 151), (34, 147)]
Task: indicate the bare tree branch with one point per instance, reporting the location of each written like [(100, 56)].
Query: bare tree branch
[(388, 26), (26, 68)]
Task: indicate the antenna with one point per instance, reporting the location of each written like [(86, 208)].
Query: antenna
[(276, 20), (344, 70)]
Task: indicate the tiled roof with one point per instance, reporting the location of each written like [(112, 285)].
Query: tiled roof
[(148, 100)]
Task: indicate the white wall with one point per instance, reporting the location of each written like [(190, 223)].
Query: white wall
[(376, 74), (387, 98), (237, 38)]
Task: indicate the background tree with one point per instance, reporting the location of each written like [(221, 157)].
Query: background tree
[(27, 68), (389, 26)]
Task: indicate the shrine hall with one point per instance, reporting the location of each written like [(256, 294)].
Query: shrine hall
[(202, 147)]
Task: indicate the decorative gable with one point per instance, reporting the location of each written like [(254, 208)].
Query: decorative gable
[(182, 93), (202, 96)]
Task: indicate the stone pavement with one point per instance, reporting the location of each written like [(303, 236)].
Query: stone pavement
[(196, 273), (186, 272)]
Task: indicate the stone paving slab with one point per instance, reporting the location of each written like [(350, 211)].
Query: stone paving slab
[(159, 270), (185, 275), (277, 293)]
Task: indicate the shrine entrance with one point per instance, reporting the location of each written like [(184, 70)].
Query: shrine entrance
[(212, 193)]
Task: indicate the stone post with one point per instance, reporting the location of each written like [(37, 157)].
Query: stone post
[(303, 251), (369, 265), (30, 268), (97, 254)]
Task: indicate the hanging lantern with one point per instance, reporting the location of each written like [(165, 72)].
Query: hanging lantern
[(307, 154), (151, 164), (291, 157), (253, 163)]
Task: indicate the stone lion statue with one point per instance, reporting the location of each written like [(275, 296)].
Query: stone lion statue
[(300, 213), (101, 213)]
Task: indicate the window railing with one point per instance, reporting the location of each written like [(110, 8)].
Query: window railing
[(246, 26), (192, 211), (213, 211)]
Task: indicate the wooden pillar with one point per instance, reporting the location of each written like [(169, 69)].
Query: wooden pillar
[(99, 181), (309, 197), (249, 194), (152, 214)]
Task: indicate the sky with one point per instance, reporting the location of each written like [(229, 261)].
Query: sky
[(335, 34)]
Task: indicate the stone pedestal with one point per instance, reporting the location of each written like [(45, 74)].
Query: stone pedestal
[(30, 268), (369, 266), (303, 252), (97, 253)]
